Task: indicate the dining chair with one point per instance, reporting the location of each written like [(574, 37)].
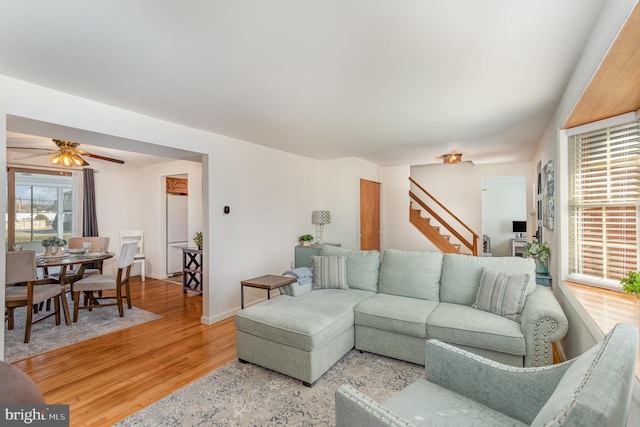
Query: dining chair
[(136, 236), (24, 289), (98, 244), (97, 283)]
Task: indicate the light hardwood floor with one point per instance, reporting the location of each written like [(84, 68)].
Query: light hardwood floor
[(108, 378)]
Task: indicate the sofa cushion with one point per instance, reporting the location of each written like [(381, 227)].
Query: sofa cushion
[(411, 274), (461, 275), (424, 403), (502, 293), (393, 313), (362, 266), (305, 322), (461, 324), (329, 272)]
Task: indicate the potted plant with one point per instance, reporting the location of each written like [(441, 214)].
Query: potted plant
[(53, 245), (540, 252), (305, 239), (631, 283), (197, 239)]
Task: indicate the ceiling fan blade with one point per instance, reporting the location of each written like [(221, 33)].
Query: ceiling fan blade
[(30, 148), (31, 156), (108, 159)]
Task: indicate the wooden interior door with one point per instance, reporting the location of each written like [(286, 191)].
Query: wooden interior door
[(369, 215)]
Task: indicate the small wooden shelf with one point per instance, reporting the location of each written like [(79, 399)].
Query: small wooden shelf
[(192, 270)]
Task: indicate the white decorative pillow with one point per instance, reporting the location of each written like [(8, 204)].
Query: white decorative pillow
[(502, 293), (329, 272)]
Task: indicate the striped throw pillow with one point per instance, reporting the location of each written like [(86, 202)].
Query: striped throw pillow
[(329, 272), (502, 293)]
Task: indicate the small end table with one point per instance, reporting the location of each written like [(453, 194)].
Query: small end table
[(191, 270), (268, 282)]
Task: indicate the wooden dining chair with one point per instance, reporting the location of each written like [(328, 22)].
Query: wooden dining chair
[(24, 289), (93, 284)]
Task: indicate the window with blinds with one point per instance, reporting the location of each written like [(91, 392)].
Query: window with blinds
[(604, 204)]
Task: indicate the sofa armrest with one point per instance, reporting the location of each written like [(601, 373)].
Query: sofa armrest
[(517, 392), (542, 322), (354, 409)]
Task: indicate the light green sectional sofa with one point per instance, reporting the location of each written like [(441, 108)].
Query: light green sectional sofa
[(392, 307)]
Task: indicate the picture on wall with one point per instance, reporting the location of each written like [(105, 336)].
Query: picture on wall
[(548, 214)]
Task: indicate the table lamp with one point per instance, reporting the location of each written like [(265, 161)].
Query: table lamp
[(320, 218)]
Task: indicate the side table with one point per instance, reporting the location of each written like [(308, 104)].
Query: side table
[(268, 282), (191, 270)]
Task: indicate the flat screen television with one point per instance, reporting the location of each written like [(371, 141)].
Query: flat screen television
[(519, 226)]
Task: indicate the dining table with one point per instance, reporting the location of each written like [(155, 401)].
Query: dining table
[(67, 263)]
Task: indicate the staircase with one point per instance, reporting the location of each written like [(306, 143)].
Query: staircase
[(440, 226)]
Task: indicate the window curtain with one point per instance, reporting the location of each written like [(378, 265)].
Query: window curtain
[(89, 215)]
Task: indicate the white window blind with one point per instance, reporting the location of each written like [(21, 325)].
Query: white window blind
[(604, 204)]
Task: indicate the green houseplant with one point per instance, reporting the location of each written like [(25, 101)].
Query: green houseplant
[(305, 239), (540, 252), (53, 241), (197, 239), (53, 246), (631, 283)]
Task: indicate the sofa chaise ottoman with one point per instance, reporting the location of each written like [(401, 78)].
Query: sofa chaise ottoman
[(303, 336)]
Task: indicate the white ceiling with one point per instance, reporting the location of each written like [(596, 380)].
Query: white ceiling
[(392, 82)]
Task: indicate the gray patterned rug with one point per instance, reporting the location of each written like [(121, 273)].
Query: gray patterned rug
[(46, 336), (240, 394)]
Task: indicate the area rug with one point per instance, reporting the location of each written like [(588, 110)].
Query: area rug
[(46, 336), (241, 394)]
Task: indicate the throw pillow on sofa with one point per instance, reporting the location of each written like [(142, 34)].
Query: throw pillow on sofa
[(502, 293), (329, 272)]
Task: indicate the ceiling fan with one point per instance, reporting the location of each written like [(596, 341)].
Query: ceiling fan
[(68, 155)]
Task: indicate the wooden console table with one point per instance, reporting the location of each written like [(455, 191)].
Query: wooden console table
[(191, 270)]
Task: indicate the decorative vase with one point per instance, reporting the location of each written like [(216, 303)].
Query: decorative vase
[(542, 266), (53, 251)]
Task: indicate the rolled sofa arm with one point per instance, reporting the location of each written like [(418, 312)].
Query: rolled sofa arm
[(496, 385), (542, 323), (354, 409)]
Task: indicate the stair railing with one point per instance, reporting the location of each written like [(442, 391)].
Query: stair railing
[(471, 242)]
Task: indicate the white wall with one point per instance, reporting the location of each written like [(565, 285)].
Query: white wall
[(340, 194), (271, 193), (504, 200)]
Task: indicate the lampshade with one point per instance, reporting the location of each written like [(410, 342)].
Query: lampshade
[(67, 159), (451, 158), (320, 217)]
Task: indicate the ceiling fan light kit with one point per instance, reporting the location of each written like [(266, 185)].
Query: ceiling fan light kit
[(451, 158), (68, 155)]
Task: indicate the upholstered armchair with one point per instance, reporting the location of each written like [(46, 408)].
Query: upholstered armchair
[(17, 388), (461, 388)]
